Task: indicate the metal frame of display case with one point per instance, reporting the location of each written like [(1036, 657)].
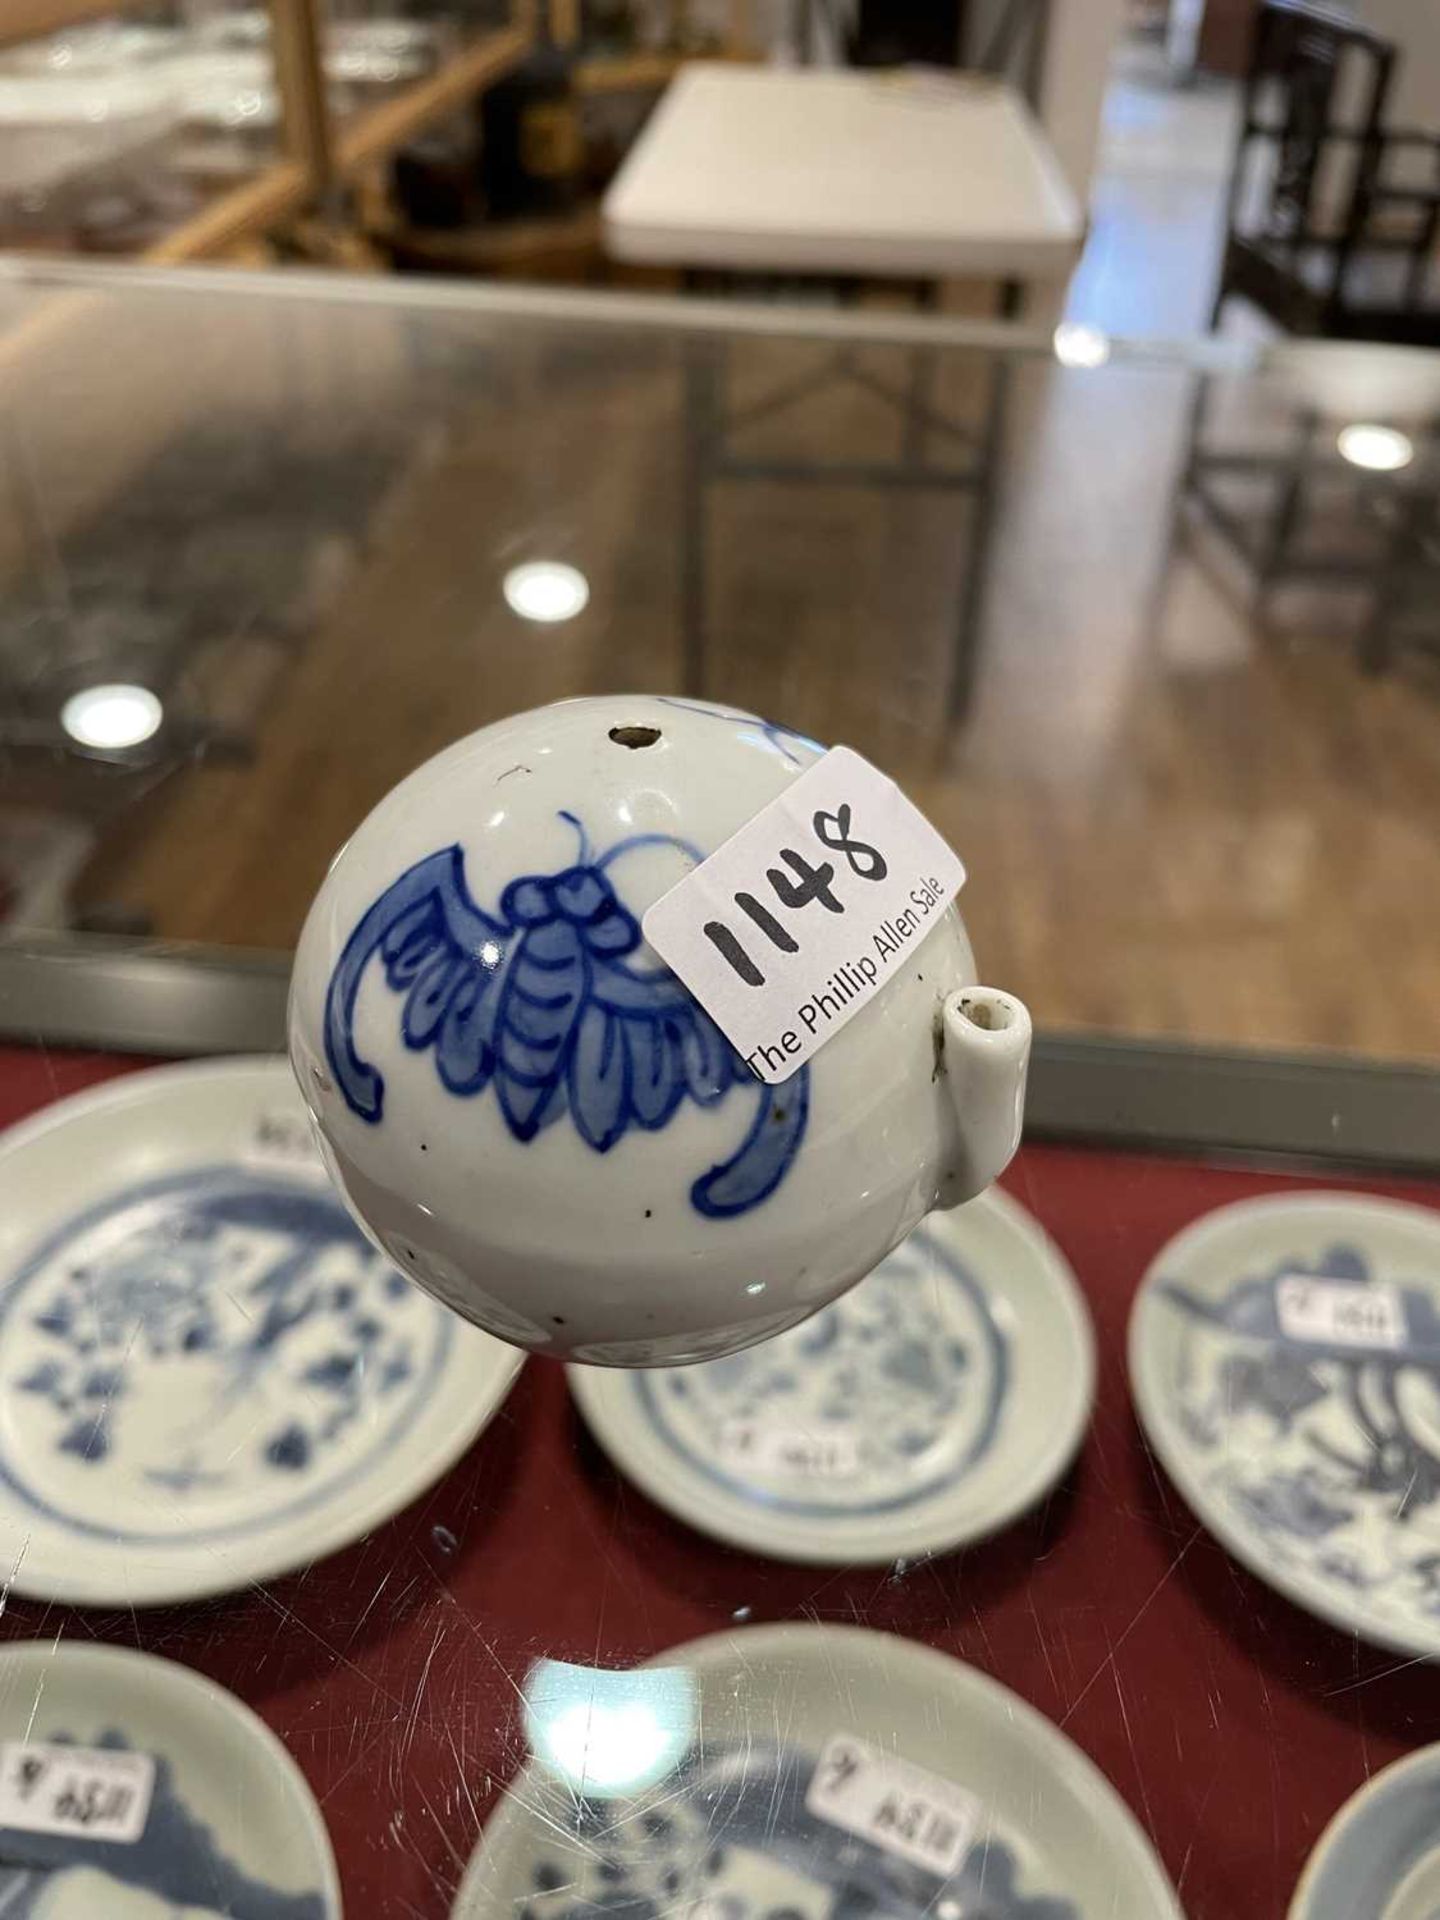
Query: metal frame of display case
[(972, 469), (1154, 1095)]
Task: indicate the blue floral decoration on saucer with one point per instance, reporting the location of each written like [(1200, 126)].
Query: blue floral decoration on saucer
[(1325, 1452), (730, 1836), (177, 1858), (888, 1396), (202, 1357)]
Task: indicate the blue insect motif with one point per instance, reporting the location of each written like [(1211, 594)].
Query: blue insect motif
[(540, 1001)]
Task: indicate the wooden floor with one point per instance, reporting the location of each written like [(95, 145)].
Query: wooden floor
[(1174, 823)]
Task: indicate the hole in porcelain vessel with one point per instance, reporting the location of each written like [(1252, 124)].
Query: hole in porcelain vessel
[(991, 1016), (634, 736)]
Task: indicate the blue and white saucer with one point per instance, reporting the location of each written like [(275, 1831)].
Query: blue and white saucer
[(207, 1374), (927, 1407), (1379, 1858), (806, 1771), (223, 1824), (1285, 1363)]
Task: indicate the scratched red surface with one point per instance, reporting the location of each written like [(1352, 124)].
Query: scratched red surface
[(1232, 1723)]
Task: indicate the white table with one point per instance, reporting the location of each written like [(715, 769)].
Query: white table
[(916, 175)]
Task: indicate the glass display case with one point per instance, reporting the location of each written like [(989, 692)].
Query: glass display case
[(1081, 1562)]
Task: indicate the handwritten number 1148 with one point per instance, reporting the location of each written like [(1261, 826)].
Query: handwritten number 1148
[(804, 883)]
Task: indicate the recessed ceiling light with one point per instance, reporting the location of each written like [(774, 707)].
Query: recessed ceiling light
[(546, 590), (111, 718), (1380, 449), (1077, 345)]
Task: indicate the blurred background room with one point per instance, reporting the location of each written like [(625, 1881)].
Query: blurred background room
[(1047, 482), (1040, 397), (1068, 447)]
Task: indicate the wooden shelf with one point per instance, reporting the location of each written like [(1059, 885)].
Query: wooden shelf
[(273, 196), (320, 153), (381, 129), (626, 72), (639, 72), (501, 244), (317, 154)]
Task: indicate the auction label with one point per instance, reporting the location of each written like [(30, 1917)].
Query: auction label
[(1356, 1314), (787, 930), (101, 1793), (767, 1448), (894, 1804)]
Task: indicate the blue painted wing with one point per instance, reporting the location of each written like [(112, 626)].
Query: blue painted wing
[(444, 954), (643, 1045), (542, 1004)]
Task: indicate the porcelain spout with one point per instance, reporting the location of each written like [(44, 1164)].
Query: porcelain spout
[(984, 1056)]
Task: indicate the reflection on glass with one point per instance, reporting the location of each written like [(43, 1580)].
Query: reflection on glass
[(109, 719), (1077, 345), (608, 1733), (546, 590), (1380, 449)]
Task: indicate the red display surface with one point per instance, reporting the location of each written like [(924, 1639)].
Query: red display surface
[(1232, 1723)]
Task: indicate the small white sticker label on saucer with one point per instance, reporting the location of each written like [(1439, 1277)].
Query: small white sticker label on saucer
[(896, 1805), (787, 930), (765, 1448), (284, 1143), (1343, 1312), (98, 1793)]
